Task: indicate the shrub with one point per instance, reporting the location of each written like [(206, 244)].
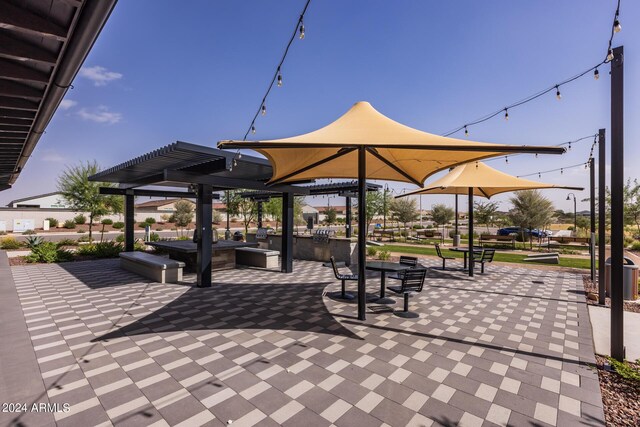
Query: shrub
[(166, 217), (417, 227), (154, 237), (52, 222), (67, 242), (118, 225), (69, 224), (106, 221), (142, 224), (83, 239), (48, 252), (371, 251), (120, 238), (101, 250), (80, 219), (28, 232), (33, 241), (150, 220), (10, 243), (3, 233), (81, 231), (384, 255), (635, 246)]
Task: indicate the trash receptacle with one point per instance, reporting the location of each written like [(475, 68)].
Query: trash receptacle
[(238, 236), (630, 275)]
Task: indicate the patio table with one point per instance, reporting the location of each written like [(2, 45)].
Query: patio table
[(383, 267), (465, 251), (223, 255)]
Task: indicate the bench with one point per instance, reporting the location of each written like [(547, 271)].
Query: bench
[(546, 258), (157, 268), (428, 234), (561, 240), (496, 239), (378, 233), (256, 257)]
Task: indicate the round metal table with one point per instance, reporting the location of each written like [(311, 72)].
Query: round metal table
[(383, 267)]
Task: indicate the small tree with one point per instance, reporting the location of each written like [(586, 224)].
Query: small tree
[(183, 214), (374, 206), (486, 213), (530, 210), (83, 195), (331, 215), (442, 215), (273, 209), (232, 201), (248, 209), (404, 210)]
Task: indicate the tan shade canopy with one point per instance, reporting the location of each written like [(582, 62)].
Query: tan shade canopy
[(394, 151), (485, 181)]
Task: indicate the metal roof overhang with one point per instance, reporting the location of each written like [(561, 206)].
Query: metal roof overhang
[(346, 189), (181, 164), (42, 47)]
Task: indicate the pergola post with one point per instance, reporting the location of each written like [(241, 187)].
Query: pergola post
[(470, 232), (602, 212), (129, 221), (204, 218), (362, 232), (260, 210), (617, 204), (286, 263), (455, 221), (592, 206), (347, 222)]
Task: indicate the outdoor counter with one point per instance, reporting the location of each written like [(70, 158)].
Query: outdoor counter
[(305, 248), (223, 253)]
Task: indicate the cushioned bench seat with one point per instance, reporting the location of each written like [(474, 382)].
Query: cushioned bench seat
[(157, 268), (256, 257)]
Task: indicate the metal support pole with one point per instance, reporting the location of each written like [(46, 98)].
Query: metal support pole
[(259, 214), (575, 216), (362, 231), (592, 207), (384, 209), (286, 265), (205, 238), (617, 203), (129, 222), (456, 218), (227, 232), (602, 213), (471, 232), (347, 222)]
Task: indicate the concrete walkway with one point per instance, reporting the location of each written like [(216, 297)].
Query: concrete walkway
[(601, 326)]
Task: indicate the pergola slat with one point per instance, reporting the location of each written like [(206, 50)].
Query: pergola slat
[(18, 19)]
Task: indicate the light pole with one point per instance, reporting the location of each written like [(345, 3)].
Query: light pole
[(575, 214), (384, 207)]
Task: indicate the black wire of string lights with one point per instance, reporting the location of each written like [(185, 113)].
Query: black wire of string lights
[(563, 168), (615, 28), (277, 76), (569, 145)]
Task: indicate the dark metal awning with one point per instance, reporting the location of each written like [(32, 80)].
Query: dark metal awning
[(181, 164), (42, 47)]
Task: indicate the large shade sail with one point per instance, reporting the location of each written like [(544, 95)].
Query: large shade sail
[(485, 181), (395, 152)]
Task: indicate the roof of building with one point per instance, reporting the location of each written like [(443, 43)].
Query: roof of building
[(42, 47), (158, 203), (323, 209), (13, 202)]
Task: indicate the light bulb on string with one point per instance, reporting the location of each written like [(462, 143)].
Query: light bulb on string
[(263, 110), (558, 95), (596, 74), (539, 175), (301, 30), (279, 78), (569, 146), (616, 26), (561, 171), (235, 162), (536, 155), (506, 159), (610, 55), (506, 114), (466, 131), (253, 130)]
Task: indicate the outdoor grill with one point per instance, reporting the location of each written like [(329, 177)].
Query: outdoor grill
[(323, 235)]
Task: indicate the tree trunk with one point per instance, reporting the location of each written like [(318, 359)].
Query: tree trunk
[(90, 226)]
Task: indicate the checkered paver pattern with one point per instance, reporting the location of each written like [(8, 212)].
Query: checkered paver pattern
[(510, 347)]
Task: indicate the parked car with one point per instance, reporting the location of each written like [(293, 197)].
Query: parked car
[(517, 230)]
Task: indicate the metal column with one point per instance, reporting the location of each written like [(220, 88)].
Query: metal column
[(602, 216), (129, 221), (204, 244), (470, 232), (260, 210), (286, 263), (592, 206), (456, 218), (347, 225), (617, 203), (362, 232)]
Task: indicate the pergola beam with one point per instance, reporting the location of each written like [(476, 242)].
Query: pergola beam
[(13, 70), (18, 19), (18, 103), (24, 51), (151, 193), (13, 88), (17, 114)]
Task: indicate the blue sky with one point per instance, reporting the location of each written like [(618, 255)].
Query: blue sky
[(195, 71)]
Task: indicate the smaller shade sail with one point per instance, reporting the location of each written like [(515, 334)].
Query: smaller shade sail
[(394, 151), (485, 181)]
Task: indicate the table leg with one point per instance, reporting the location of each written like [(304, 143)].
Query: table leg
[(465, 261), (383, 299)]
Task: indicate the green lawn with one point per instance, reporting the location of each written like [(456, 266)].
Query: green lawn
[(500, 256)]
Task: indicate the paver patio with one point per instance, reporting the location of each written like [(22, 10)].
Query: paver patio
[(508, 347)]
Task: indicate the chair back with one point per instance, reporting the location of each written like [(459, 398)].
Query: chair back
[(438, 250), (413, 280), (487, 255), (335, 267), (409, 260)]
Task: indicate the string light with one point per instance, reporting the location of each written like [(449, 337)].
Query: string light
[(596, 74), (506, 159), (466, 131), (280, 78), (610, 55), (540, 173), (264, 110), (253, 130), (301, 29), (506, 114), (561, 171), (569, 143), (558, 95)]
